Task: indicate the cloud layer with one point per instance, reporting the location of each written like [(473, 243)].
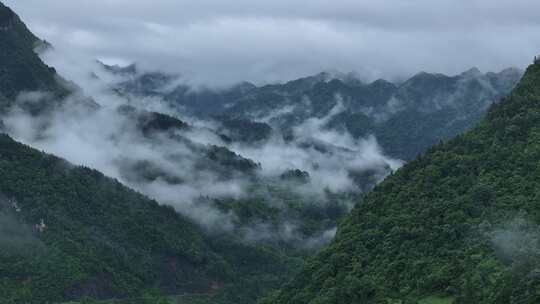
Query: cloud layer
[(175, 169), (220, 42)]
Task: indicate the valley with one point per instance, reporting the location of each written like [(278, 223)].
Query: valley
[(123, 184)]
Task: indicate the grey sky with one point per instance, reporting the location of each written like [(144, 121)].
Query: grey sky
[(223, 41)]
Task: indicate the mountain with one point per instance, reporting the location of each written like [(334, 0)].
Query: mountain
[(459, 224), (431, 107), (258, 176), (407, 118), (171, 160), (70, 233), (21, 70), (83, 234)]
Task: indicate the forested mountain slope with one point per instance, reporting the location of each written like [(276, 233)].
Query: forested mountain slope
[(82, 234), (69, 232), (21, 69), (458, 224)]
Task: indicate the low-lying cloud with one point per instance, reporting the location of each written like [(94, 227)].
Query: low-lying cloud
[(329, 156), (107, 139), (516, 240)]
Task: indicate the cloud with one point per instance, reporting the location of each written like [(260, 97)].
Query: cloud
[(176, 170), (330, 157), (217, 43), (220, 42), (288, 232), (516, 240), (108, 141)]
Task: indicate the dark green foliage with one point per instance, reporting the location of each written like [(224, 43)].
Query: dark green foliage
[(439, 227), (74, 234), (111, 240), (273, 209), (20, 68), (102, 240)]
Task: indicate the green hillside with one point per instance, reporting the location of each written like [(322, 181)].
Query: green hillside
[(69, 232), (457, 225), (99, 238), (20, 68)]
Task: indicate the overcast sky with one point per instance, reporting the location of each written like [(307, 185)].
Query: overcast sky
[(224, 41)]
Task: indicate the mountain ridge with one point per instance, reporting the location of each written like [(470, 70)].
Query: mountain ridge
[(33, 75), (431, 106), (71, 233), (432, 229)]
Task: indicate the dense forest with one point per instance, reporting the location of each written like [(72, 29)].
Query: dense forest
[(456, 225), (459, 224), (21, 70), (69, 232)]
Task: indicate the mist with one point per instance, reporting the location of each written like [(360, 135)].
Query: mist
[(15, 236), (516, 240), (109, 140), (327, 155)]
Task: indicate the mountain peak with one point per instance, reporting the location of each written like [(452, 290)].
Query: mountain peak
[(382, 83), (329, 75), (528, 86), (130, 69), (244, 86), (472, 73)]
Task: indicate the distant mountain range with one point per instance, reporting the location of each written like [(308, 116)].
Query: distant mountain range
[(406, 118)]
